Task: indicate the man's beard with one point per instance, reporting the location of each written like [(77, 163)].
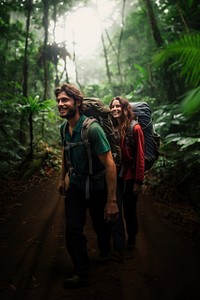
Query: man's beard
[(70, 113)]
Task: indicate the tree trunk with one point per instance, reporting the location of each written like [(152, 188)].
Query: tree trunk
[(25, 68), (106, 59), (28, 7), (120, 42), (182, 17), (45, 63), (31, 135), (168, 78), (154, 27), (75, 64)]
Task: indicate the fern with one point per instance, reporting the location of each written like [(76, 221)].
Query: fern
[(191, 102), (186, 53)]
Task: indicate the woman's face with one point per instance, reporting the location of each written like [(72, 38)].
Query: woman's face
[(116, 109)]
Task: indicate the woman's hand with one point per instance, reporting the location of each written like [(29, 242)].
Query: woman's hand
[(137, 188)]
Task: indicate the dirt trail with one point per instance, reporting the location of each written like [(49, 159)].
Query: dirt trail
[(34, 261)]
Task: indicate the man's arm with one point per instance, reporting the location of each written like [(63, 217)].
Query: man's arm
[(61, 183), (111, 208)]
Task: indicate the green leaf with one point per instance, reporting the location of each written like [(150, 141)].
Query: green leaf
[(187, 142), (186, 53), (191, 103)]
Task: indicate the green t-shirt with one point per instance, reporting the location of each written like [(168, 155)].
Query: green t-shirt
[(79, 158)]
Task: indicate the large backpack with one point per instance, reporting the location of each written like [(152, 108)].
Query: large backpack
[(96, 111), (143, 117), (95, 108)]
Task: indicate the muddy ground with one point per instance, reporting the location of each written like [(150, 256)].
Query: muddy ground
[(165, 263)]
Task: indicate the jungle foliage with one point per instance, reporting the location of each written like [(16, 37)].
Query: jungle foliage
[(151, 52)]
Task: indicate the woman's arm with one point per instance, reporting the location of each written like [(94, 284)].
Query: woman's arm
[(140, 155)]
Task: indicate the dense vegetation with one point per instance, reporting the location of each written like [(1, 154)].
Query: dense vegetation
[(150, 52)]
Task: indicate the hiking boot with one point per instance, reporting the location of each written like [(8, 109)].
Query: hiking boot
[(130, 244), (118, 255), (75, 281), (104, 258)]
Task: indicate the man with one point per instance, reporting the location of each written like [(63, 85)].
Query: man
[(102, 188)]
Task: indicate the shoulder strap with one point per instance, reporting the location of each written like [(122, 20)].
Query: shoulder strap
[(66, 161), (85, 137), (129, 132), (85, 140), (130, 139), (69, 145), (64, 133)]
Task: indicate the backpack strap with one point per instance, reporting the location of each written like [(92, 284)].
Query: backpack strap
[(130, 138), (129, 133), (66, 146), (63, 133), (85, 137), (85, 141), (66, 162)]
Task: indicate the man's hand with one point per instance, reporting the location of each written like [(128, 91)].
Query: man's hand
[(111, 211), (61, 187)]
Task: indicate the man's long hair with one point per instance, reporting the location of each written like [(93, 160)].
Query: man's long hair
[(72, 92)]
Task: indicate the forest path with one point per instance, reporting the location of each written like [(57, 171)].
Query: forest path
[(34, 261)]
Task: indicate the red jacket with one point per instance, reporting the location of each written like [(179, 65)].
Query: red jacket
[(133, 161)]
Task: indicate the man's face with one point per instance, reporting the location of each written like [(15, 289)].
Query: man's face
[(66, 106), (116, 109)]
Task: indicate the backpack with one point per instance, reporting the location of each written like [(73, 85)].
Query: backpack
[(96, 111), (95, 108), (143, 117)]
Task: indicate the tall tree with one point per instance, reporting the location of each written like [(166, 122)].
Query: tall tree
[(28, 8), (120, 41), (106, 59), (167, 75), (45, 62), (75, 63), (154, 26)]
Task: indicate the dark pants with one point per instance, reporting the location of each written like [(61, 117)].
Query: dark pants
[(127, 203), (118, 228), (75, 208), (130, 201)]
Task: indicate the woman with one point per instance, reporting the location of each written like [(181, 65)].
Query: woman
[(131, 174)]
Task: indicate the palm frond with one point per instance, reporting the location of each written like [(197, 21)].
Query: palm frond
[(186, 54), (191, 102)]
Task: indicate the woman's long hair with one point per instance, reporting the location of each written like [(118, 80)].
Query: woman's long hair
[(126, 118)]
